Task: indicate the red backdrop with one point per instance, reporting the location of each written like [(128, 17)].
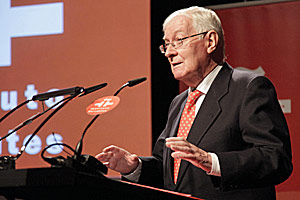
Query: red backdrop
[(265, 38), (98, 44)]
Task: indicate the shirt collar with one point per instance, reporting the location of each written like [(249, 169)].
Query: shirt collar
[(208, 80)]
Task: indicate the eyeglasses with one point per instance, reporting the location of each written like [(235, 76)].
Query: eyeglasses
[(177, 43)]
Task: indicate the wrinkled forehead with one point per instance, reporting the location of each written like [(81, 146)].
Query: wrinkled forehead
[(178, 25)]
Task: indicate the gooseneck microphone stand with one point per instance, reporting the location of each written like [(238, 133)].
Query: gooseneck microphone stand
[(79, 145), (14, 109), (8, 162), (85, 163)]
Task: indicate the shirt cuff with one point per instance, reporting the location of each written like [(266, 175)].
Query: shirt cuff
[(135, 175), (215, 166)]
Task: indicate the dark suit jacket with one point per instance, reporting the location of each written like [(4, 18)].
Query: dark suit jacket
[(241, 121)]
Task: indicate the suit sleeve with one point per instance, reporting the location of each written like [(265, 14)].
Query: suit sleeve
[(266, 157), (152, 167)]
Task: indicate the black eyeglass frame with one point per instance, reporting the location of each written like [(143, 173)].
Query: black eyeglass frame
[(163, 47)]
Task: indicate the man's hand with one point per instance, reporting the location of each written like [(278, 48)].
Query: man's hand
[(118, 159), (189, 152)]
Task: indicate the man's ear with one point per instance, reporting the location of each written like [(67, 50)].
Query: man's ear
[(213, 40)]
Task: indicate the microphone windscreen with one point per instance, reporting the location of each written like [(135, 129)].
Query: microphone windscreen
[(94, 88), (62, 92), (136, 81)]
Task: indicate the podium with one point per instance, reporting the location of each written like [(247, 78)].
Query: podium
[(68, 183)]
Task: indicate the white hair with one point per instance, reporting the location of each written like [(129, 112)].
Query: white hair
[(203, 19)]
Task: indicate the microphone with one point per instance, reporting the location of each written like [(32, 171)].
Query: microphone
[(44, 96), (66, 100), (79, 145), (31, 119), (47, 95), (136, 81), (131, 83), (92, 89), (87, 162)]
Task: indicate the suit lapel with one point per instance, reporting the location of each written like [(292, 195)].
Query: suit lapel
[(177, 108), (209, 111), (175, 126)]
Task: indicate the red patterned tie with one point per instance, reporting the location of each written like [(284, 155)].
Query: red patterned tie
[(186, 121)]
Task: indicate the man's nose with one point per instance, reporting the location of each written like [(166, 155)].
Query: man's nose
[(170, 51)]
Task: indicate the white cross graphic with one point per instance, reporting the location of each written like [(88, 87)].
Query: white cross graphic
[(104, 103), (33, 20)]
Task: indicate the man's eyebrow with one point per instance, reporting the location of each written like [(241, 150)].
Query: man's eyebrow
[(176, 34)]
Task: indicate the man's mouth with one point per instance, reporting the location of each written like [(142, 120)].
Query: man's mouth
[(176, 64)]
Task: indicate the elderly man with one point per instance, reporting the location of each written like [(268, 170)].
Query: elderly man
[(226, 136)]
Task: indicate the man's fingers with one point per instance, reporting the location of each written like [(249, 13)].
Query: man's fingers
[(174, 139), (104, 157), (186, 149), (180, 145), (110, 148), (177, 143), (100, 156), (182, 155), (193, 158), (118, 159), (106, 164)]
